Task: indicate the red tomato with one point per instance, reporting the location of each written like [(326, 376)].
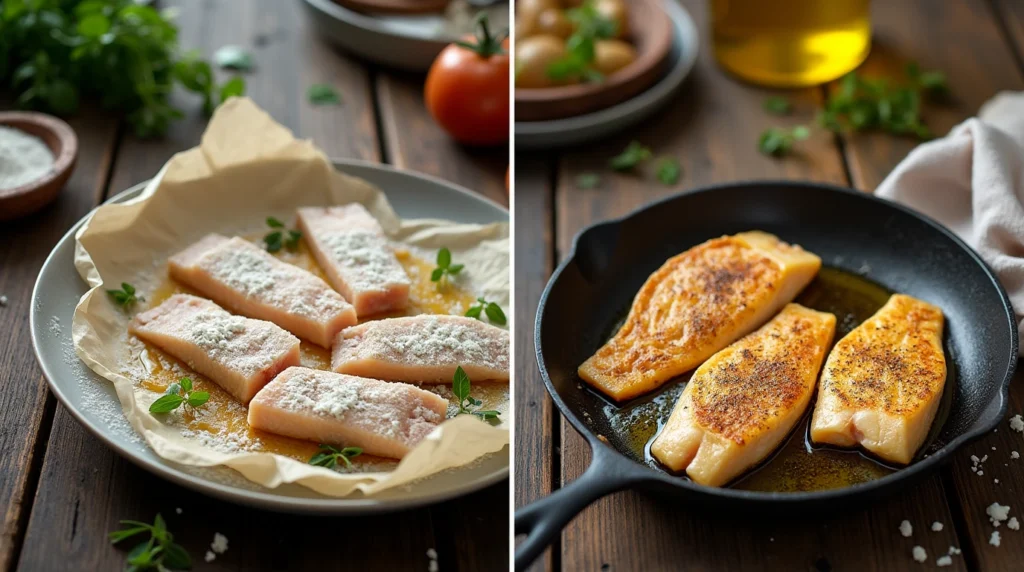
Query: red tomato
[(467, 90)]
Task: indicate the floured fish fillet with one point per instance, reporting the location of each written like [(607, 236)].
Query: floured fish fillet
[(351, 247), (882, 383), (239, 354), (384, 418), (696, 304), (246, 279), (741, 403), (423, 349)]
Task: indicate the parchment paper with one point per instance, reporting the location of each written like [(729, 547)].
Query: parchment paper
[(246, 168)]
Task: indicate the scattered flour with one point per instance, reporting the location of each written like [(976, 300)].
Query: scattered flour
[(3, 300), (432, 562), (936, 526), (210, 556), (1014, 455), (944, 561), (919, 553), (219, 544), (178, 510), (1013, 523), (55, 328), (1017, 424), (994, 539), (997, 513), (954, 550)]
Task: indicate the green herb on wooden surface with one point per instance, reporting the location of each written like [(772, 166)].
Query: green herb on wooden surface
[(329, 456), (777, 105), (669, 171), (160, 552), (493, 311), (323, 94), (586, 181), (778, 141), (634, 154), (461, 388), (178, 394)]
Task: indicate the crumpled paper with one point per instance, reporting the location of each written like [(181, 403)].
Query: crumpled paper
[(246, 168)]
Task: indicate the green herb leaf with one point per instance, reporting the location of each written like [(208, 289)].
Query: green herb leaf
[(158, 553), (272, 241), (233, 58), (274, 223), (186, 384), (329, 456), (444, 258), (292, 242), (323, 94), (125, 297), (437, 274), (176, 557), (444, 267), (778, 141), (586, 181), (474, 311), (669, 171), (234, 87), (633, 155), (125, 533), (460, 385), (777, 105), (455, 269), (166, 404), (198, 398), (495, 314)]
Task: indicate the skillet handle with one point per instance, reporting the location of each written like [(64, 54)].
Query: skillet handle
[(543, 520)]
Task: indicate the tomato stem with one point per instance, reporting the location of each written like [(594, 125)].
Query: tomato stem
[(486, 45)]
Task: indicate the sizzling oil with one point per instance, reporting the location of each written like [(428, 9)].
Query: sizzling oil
[(797, 465), (223, 420)]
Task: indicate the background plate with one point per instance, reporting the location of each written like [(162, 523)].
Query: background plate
[(583, 128), (93, 402)]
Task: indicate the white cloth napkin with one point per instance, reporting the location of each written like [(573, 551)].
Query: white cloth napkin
[(972, 181)]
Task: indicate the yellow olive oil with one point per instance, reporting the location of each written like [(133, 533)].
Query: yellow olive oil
[(790, 43)]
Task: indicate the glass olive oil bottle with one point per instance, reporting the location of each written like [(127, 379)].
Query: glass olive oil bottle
[(790, 43)]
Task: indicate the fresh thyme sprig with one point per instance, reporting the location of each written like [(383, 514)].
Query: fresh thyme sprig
[(329, 456), (125, 297), (634, 154), (445, 268), (279, 237), (461, 387), (160, 552), (178, 394), (493, 311)]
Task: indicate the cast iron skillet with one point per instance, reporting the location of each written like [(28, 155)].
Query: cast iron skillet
[(851, 230)]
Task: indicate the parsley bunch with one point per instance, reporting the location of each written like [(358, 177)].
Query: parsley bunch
[(120, 53), (862, 103), (158, 553)]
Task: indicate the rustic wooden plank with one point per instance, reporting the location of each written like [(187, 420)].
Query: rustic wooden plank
[(85, 487), (964, 39), (413, 141), (535, 413), (1010, 14), (713, 129), (26, 407), (471, 532), (958, 37)]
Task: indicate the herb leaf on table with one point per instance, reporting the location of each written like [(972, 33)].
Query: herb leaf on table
[(634, 154), (323, 94), (159, 552)]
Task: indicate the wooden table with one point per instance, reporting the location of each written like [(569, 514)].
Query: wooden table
[(712, 128), (61, 489)]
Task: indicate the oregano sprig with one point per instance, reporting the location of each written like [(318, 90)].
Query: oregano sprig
[(445, 268), (126, 296), (160, 552), (329, 456), (493, 311), (461, 387), (280, 236), (178, 394)]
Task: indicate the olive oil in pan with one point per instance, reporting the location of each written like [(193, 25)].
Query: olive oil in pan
[(797, 465)]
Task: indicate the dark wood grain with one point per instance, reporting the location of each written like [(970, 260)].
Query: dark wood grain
[(85, 488), (713, 129), (1010, 14), (413, 141), (536, 419), (958, 37), (25, 404)]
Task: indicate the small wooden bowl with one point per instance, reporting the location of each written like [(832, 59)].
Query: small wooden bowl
[(651, 34), (395, 6), (63, 143)]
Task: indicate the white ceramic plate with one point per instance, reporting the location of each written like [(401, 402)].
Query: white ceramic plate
[(92, 401), (583, 128), (406, 42)]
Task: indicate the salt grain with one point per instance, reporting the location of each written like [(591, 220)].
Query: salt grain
[(954, 550), (1013, 523), (1014, 455), (210, 556), (906, 529), (220, 543), (178, 510), (919, 554), (994, 539), (3, 300), (944, 561)]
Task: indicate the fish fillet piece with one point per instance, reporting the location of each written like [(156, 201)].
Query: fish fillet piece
[(246, 279), (882, 383), (697, 303), (355, 254), (423, 349), (239, 354), (741, 404), (384, 418)]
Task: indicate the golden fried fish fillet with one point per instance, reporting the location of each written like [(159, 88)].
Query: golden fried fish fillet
[(882, 383), (697, 303), (743, 401)]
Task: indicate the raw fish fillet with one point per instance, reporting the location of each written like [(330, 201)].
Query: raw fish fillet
[(740, 405), (384, 418), (355, 254), (882, 383), (423, 349), (246, 279), (239, 354), (697, 303)]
